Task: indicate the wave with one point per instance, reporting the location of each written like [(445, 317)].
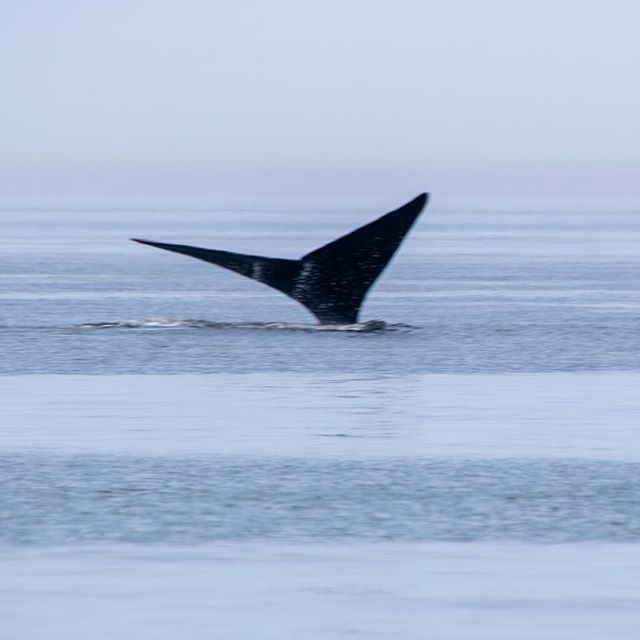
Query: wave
[(165, 323)]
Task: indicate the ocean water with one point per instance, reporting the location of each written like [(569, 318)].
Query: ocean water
[(184, 453)]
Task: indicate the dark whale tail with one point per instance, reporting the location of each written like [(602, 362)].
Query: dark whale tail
[(331, 281)]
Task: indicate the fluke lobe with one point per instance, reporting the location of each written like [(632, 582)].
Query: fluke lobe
[(331, 281)]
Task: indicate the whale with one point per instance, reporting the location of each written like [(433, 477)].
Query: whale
[(332, 281)]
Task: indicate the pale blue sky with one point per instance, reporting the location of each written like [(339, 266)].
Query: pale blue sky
[(352, 97)]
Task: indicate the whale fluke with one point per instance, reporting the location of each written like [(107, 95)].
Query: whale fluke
[(331, 281)]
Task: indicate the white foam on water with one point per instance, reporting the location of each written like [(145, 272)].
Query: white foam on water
[(166, 323)]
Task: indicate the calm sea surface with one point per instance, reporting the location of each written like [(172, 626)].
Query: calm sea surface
[(180, 445)]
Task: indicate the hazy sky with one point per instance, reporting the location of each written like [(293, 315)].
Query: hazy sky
[(172, 97)]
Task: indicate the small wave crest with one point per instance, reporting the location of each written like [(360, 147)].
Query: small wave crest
[(165, 323)]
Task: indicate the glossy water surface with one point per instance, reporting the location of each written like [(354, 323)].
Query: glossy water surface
[(180, 445)]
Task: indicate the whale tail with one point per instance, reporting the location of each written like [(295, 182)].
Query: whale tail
[(331, 281)]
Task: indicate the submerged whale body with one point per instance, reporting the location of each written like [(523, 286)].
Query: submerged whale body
[(331, 281)]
